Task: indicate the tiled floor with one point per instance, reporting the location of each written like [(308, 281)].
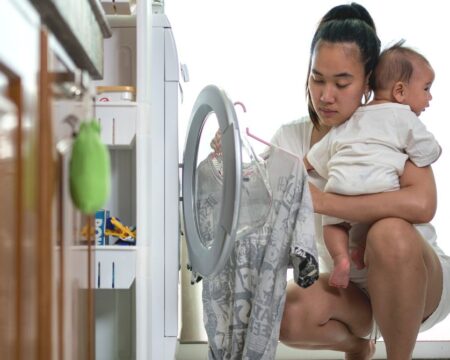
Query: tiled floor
[(424, 350)]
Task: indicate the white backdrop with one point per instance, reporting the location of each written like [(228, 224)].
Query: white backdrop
[(258, 51)]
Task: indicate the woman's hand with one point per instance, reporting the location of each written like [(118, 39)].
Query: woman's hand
[(216, 143)]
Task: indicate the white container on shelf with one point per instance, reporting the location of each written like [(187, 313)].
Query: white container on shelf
[(115, 93), (115, 266), (117, 120)]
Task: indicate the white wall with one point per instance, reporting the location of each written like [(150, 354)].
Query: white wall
[(258, 50)]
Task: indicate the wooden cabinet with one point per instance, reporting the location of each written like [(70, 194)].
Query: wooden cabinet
[(46, 261), (8, 223), (19, 296)]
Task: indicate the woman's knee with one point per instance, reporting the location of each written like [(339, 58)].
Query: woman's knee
[(292, 314), (392, 241), (296, 314)]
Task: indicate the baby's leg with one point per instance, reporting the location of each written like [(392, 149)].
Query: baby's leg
[(357, 255), (336, 241), (358, 235)]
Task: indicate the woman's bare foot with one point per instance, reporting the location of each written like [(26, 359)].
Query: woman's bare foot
[(340, 275), (365, 353)]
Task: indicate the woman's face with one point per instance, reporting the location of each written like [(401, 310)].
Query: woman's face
[(336, 82)]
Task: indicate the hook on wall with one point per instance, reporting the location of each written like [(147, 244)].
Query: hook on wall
[(74, 122)]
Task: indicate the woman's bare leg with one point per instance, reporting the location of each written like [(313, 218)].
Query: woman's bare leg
[(324, 317), (404, 281)]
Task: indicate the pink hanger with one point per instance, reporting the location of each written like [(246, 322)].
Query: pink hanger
[(241, 105), (247, 131)]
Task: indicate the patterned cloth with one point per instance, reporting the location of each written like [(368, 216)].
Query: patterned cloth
[(243, 304)]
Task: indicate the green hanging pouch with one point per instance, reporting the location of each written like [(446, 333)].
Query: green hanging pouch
[(89, 169)]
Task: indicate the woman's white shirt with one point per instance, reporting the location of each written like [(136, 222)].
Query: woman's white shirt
[(296, 138)]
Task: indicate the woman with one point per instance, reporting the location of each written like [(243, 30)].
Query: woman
[(401, 287)]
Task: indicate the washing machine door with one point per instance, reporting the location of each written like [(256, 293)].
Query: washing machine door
[(211, 183)]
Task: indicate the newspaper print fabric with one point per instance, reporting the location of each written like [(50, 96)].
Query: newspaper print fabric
[(243, 304)]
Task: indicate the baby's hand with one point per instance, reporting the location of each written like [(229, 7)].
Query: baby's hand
[(315, 195), (308, 166)]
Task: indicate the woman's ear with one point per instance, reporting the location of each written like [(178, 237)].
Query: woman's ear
[(399, 91)]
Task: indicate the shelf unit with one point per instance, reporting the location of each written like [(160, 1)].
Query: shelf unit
[(144, 190), (115, 265)]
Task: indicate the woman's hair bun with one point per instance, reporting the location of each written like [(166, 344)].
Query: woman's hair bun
[(347, 12)]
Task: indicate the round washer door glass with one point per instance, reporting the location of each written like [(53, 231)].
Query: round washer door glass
[(211, 182)]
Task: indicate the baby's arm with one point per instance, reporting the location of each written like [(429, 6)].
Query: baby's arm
[(421, 145)]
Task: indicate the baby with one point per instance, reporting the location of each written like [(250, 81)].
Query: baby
[(367, 153)]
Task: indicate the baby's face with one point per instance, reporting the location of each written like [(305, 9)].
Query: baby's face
[(418, 94)]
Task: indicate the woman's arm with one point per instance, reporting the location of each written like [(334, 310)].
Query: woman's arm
[(415, 202)]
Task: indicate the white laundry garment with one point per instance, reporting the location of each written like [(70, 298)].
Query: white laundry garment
[(243, 304)]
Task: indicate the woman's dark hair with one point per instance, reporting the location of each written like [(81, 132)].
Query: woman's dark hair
[(346, 24)]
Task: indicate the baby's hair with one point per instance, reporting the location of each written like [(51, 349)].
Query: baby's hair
[(396, 63)]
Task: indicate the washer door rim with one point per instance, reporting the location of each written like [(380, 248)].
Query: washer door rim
[(208, 261)]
